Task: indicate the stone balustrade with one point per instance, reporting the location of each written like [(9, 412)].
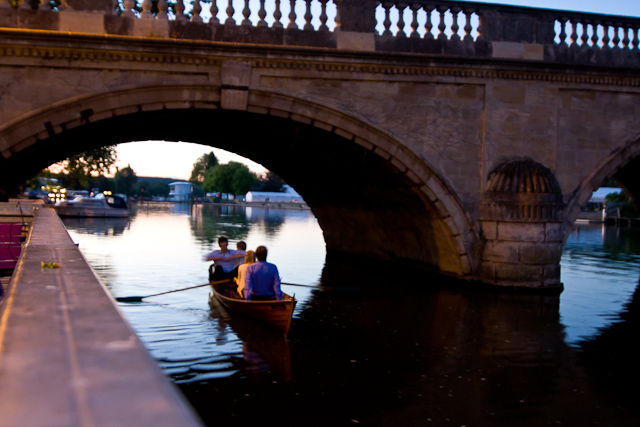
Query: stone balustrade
[(420, 26)]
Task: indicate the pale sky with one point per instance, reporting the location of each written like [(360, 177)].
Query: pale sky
[(175, 160)]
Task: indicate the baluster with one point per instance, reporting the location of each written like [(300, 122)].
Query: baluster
[(338, 16), (308, 17), (128, 5), (616, 35), (606, 39), (323, 16), (262, 13), (414, 23), (246, 12), (163, 9), (214, 13), (292, 15), (574, 33), (146, 9), (180, 11), (467, 27), (585, 36), (230, 11), (64, 5), (114, 6), (481, 35), (401, 7), (195, 11), (428, 25), (442, 26), (626, 40), (4, 4), (277, 14), (25, 5), (387, 18), (635, 31), (594, 37), (563, 33), (454, 26)]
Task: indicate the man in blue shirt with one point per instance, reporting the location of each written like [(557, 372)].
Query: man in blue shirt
[(262, 279)]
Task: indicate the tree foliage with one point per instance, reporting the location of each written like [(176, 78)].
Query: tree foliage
[(124, 180), (233, 177), (270, 182), (79, 170), (201, 165)]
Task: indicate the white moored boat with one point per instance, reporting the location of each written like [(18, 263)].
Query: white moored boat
[(100, 206)]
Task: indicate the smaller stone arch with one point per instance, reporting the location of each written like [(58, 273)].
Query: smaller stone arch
[(622, 158), (521, 217)]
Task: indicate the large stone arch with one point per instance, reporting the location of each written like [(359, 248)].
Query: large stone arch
[(619, 164), (51, 133)]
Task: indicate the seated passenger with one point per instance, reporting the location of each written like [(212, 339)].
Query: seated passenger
[(249, 258), (263, 281)]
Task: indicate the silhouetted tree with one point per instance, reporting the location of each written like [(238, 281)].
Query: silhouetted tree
[(125, 179), (270, 182), (201, 165)]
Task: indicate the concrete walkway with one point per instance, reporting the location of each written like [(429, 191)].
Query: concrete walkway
[(67, 356)]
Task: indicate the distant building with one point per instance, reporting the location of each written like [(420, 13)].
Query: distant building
[(288, 196), (596, 202), (180, 192)]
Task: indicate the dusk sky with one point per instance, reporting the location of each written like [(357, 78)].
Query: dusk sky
[(175, 160)]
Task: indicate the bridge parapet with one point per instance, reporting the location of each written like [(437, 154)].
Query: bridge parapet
[(461, 29)]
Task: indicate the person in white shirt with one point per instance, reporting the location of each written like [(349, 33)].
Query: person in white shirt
[(224, 260)]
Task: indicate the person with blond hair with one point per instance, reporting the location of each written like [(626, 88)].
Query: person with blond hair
[(249, 258)]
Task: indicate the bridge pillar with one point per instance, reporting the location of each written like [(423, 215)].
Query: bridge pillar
[(521, 220)]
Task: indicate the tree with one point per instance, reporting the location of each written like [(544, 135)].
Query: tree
[(232, 177), (270, 182), (80, 169), (622, 202), (125, 179), (201, 165)]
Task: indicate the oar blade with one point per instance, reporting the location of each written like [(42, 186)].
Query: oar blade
[(129, 299)]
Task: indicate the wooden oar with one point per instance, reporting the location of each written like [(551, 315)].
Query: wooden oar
[(139, 299), (306, 286)]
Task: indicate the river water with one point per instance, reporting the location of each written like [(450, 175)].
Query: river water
[(372, 346)]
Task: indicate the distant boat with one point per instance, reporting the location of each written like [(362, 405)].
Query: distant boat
[(100, 206), (275, 313)]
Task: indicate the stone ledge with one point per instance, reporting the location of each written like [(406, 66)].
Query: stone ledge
[(67, 355)]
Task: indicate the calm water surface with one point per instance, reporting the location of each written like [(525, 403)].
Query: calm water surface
[(371, 347)]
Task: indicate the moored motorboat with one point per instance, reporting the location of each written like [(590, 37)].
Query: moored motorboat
[(275, 313), (100, 206)]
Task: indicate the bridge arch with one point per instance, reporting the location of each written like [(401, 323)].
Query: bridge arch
[(311, 139), (622, 165)]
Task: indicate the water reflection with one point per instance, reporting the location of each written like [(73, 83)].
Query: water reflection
[(104, 226), (377, 346)]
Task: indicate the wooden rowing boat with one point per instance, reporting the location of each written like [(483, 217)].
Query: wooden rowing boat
[(275, 313)]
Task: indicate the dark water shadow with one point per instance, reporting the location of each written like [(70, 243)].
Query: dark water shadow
[(381, 347), (611, 357)]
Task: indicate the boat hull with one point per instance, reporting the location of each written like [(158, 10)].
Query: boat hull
[(84, 212), (275, 313)]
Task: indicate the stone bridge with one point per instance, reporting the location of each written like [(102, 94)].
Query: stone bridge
[(458, 136)]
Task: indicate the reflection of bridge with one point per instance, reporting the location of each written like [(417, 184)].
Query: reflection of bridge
[(465, 137)]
